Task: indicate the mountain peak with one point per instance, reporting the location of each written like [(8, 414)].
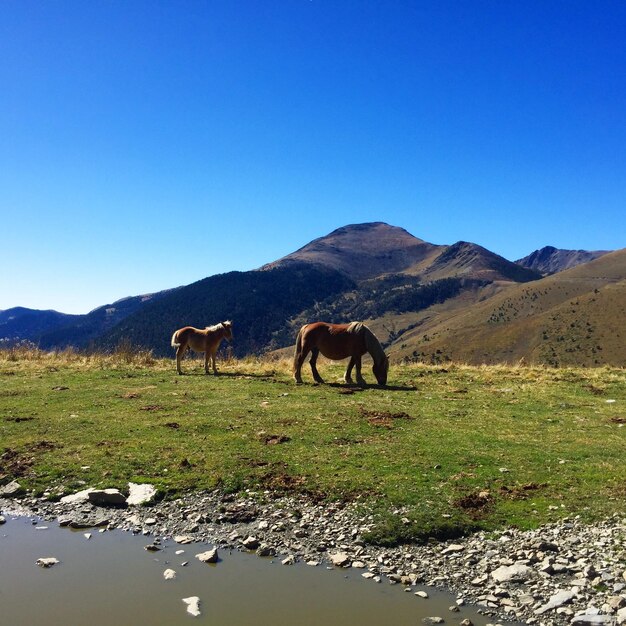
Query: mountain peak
[(362, 251), (550, 260)]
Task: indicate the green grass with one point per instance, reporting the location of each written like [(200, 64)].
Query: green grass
[(442, 451)]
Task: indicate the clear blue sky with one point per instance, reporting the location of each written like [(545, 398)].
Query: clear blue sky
[(145, 145)]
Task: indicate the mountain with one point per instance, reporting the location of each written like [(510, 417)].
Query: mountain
[(359, 271), (425, 301), (258, 302), (362, 251), (550, 260), (371, 250), (574, 317), (51, 329), (20, 323)]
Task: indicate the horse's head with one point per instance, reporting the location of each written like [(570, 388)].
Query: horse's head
[(228, 330), (381, 369)]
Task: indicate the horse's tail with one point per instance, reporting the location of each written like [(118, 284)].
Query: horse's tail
[(175, 343), (298, 349)]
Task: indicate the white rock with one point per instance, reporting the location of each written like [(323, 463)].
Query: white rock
[(193, 605), (592, 620), (339, 559), (47, 561), (558, 599), (169, 574), (184, 539), (2, 520), (210, 556), (87, 535), (621, 616), (421, 594), (290, 560), (517, 571), (78, 497), (140, 494)]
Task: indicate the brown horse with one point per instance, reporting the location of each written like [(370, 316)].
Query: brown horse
[(207, 341), (340, 341)]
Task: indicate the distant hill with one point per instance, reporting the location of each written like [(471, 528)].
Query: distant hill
[(576, 316), (51, 329), (20, 323), (550, 260)]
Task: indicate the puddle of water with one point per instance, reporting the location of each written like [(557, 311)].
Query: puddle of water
[(111, 579)]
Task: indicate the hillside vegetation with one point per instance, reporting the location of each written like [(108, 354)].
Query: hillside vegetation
[(446, 449)]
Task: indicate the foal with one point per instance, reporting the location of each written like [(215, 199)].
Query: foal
[(207, 341)]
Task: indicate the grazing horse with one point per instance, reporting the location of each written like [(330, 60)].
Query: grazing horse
[(339, 341), (207, 341)]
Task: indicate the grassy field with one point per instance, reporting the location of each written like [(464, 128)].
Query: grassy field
[(441, 451)]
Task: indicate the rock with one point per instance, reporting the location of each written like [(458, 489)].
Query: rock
[(433, 620), (150, 521), (78, 497), (558, 599), (616, 602), (152, 548), (591, 620), (140, 494), (250, 543), (466, 622), (515, 572), (339, 559), (2, 520), (12, 490), (184, 539), (453, 548), (169, 574), (621, 616), (265, 550), (290, 560), (210, 556), (47, 561), (421, 594), (193, 605), (107, 497)]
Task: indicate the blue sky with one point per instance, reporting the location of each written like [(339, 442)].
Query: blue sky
[(145, 145)]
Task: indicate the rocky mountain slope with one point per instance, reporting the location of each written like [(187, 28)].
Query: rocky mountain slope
[(550, 260)]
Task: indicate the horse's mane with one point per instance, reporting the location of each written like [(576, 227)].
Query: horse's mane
[(371, 342), (355, 327), (214, 327)]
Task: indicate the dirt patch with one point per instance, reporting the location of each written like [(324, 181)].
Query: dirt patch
[(273, 440), (383, 419), (173, 425), (17, 420), (475, 504), (60, 388), (151, 407), (617, 420), (521, 492), (44, 445), (131, 395), (14, 464)]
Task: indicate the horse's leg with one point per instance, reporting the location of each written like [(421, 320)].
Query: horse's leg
[(316, 376), (359, 379), (207, 356), (213, 361), (298, 360), (347, 378), (180, 353)]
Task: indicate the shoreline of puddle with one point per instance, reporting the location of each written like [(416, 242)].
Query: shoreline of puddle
[(106, 576)]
